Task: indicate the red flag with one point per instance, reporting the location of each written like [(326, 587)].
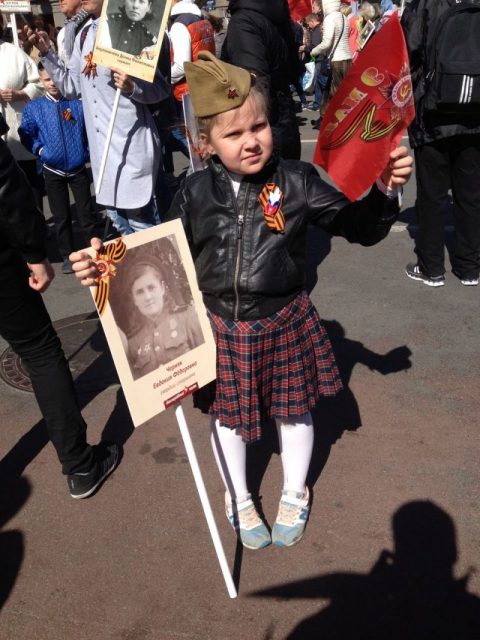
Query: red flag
[(299, 8), (368, 114)]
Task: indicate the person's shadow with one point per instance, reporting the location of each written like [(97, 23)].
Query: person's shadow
[(410, 593), (12, 547)]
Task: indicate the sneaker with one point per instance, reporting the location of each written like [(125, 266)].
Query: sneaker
[(292, 517), (246, 523), (467, 280), (67, 267), (414, 272), (83, 485)]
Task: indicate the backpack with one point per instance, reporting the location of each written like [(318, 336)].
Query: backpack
[(452, 83)]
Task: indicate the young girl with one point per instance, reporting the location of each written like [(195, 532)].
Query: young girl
[(246, 218)]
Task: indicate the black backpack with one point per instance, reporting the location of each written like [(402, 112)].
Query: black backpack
[(453, 64)]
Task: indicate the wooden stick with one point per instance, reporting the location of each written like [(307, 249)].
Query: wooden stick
[(111, 124)]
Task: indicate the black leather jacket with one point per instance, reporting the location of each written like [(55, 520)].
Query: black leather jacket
[(22, 226), (246, 271)]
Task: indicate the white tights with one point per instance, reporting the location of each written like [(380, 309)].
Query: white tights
[(295, 436)]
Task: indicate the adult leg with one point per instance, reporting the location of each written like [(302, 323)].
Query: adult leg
[(59, 202), (119, 221), (432, 166), (178, 130), (466, 197), (26, 326), (92, 227), (143, 217)]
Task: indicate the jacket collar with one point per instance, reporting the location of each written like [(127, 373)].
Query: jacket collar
[(261, 177)]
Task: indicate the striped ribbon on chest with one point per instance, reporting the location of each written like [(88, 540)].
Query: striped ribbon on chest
[(271, 199)]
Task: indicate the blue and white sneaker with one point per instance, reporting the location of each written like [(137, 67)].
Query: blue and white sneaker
[(246, 523), (292, 517)]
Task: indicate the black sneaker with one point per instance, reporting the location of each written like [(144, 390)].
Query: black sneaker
[(82, 485), (414, 272), (468, 279), (67, 266)]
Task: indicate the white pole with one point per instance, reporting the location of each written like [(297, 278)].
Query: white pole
[(197, 475), (13, 24), (107, 142), (402, 8)]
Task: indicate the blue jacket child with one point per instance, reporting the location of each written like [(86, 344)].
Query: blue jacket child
[(53, 129)]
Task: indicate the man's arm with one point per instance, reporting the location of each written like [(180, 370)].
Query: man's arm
[(20, 220)]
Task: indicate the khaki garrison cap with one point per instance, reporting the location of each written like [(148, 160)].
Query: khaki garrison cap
[(215, 86)]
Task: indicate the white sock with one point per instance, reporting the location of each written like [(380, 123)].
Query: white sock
[(295, 436), (230, 453)]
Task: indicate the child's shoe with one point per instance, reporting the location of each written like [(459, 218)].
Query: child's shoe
[(247, 524), (292, 517)]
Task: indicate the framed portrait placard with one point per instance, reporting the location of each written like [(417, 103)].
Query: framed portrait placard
[(15, 6), (154, 318), (130, 34)]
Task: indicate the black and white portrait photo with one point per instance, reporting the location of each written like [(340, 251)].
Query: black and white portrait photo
[(152, 305), (132, 26)]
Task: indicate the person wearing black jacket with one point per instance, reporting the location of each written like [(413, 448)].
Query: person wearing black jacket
[(260, 39), (25, 273), (447, 156)]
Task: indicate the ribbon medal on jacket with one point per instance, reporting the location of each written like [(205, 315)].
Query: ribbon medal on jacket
[(271, 199)]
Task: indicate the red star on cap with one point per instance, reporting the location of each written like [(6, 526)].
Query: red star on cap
[(232, 93)]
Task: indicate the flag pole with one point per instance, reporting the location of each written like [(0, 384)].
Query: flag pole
[(111, 124), (202, 492), (13, 24)]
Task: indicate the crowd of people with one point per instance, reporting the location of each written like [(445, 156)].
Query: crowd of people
[(274, 358)]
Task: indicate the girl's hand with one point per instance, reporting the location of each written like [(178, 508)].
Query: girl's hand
[(399, 169), (83, 265), (122, 81)]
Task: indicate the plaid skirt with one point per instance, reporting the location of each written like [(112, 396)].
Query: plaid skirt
[(278, 366)]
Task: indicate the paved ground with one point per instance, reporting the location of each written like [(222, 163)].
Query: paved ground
[(400, 447)]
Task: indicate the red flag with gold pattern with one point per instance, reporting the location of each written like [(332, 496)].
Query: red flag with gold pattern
[(299, 8), (369, 113)]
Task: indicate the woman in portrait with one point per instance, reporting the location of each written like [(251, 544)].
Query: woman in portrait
[(158, 333), (126, 30)]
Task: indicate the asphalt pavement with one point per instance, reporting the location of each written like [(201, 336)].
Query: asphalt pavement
[(393, 540)]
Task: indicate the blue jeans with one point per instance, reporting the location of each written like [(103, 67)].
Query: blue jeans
[(128, 221), (322, 75)]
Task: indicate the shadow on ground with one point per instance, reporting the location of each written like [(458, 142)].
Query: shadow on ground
[(409, 593)]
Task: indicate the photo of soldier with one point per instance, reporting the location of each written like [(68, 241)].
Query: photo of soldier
[(152, 306)]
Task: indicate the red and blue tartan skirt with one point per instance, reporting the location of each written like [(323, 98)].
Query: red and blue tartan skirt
[(278, 366)]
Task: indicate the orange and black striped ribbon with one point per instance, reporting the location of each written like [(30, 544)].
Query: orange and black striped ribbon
[(272, 207), (105, 263)]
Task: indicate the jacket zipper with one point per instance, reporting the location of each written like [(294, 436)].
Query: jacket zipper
[(238, 255), (63, 137)]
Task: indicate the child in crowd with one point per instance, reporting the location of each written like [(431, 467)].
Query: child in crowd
[(246, 218), (53, 129)]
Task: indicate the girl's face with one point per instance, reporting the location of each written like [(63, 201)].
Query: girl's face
[(137, 9), (242, 138), (148, 292)]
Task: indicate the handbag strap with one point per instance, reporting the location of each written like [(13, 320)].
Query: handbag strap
[(330, 55)]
